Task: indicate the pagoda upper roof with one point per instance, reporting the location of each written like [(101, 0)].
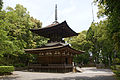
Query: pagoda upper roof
[(61, 29)]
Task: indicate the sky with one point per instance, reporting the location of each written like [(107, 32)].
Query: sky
[(77, 13)]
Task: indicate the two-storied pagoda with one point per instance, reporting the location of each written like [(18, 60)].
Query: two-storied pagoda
[(55, 56)]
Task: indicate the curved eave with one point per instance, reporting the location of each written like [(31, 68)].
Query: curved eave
[(40, 50), (61, 29), (76, 51)]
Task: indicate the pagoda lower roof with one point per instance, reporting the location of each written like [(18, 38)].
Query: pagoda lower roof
[(53, 47), (61, 29)]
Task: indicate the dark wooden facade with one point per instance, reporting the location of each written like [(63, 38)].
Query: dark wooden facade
[(55, 56)]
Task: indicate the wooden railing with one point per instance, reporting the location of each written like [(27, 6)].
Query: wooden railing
[(51, 66)]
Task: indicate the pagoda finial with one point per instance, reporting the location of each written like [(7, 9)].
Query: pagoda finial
[(56, 13)]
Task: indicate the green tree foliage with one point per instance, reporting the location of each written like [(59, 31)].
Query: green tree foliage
[(111, 9), (102, 45), (96, 41), (1, 4), (15, 34), (80, 43)]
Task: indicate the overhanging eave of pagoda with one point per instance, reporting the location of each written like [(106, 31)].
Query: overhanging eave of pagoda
[(53, 49), (61, 29)]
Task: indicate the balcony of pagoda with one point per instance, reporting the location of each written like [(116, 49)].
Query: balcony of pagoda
[(51, 68)]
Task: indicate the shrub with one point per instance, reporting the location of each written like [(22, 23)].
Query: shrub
[(116, 61), (116, 70), (19, 65), (113, 67), (6, 69), (117, 67)]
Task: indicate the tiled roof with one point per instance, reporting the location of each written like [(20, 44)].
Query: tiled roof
[(54, 46)]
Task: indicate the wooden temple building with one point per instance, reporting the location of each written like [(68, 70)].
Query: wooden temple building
[(56, 55)]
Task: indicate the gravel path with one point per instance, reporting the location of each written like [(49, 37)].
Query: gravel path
[(89, 73)]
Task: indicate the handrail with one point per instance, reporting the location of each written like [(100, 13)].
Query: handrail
[(51, 65)]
